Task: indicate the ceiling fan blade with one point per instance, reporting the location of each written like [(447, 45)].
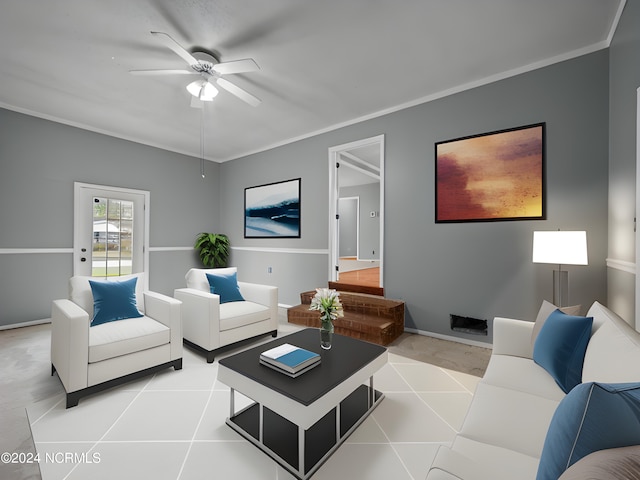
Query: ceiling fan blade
[(239, 92), (236, 66), (176, 47), (163, 72)]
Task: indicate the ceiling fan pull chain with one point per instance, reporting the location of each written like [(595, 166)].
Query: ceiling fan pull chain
[(202, 142)]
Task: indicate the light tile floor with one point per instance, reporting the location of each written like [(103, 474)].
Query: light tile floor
[(172, 426)]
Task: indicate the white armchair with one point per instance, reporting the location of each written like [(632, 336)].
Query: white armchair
[(90, 356), (210, 324)]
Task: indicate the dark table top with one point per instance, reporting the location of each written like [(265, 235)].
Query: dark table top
[(346, 356)]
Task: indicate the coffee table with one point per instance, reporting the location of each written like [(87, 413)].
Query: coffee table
[(300, 422)]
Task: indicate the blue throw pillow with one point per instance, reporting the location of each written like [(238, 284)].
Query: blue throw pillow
[(225, 285), (592, 417), (113, 301), (560, 347)]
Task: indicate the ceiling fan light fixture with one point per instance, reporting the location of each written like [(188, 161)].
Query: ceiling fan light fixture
[(203, 90), (208, 92)]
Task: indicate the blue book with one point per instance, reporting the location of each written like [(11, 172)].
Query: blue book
[(289, 358)]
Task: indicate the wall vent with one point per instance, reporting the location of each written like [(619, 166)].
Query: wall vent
[(471, 325)]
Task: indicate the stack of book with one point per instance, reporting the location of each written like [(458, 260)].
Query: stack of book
[(290, 360)]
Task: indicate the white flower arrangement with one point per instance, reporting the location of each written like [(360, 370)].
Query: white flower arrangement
[(327, 302)]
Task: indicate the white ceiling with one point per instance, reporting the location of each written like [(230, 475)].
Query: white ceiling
[(324, 64)]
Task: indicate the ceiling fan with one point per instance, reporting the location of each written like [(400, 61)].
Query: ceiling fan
[(209, 69)]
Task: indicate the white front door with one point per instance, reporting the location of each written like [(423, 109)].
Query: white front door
[(110, 231)]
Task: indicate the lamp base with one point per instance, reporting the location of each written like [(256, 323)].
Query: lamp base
[(560, 288)]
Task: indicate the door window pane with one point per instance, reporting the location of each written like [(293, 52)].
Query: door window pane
[(112, 252)]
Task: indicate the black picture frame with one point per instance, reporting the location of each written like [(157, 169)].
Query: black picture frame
[(273, 210), (493, 176)]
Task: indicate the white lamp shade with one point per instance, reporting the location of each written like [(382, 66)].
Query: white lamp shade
[(202, 90), (560, 247)]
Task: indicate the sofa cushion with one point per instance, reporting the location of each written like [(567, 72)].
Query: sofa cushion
[(80, 290), (226, 286), (611, 464), (521, 374), (560, 347), (546, 309), (238, 314), (498, 416), (114, 339), (593, 416), (613, 353), (113, 301), (485, 462), (491, 462), (197, 277)]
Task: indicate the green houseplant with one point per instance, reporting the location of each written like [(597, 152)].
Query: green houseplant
[(213, 249)]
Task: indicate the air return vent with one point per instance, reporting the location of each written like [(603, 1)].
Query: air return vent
[(471, 325)]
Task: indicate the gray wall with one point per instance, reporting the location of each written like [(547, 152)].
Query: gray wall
[(481, 269), (39, 163), (369, 240), (472, 269), (349, 210), (624, 80), (307, 267)]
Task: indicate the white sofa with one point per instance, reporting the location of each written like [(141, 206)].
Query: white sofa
[(209, 325), (503, 434), (91, 358)]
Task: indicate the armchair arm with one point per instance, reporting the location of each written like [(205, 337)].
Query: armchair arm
[(200, 317), (70, 344), (167, 311), (512, 337), (262, 294)]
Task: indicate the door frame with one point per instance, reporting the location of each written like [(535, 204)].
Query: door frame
[(78, 239), (334, 157), (637, 249)]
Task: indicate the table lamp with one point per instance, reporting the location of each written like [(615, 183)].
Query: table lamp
[(561, 248)]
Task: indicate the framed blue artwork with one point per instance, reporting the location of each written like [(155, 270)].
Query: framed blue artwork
[(273, 210)]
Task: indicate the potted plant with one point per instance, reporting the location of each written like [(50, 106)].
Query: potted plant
[(213, 249)]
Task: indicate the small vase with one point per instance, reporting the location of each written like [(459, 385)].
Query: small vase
[(326, 335)]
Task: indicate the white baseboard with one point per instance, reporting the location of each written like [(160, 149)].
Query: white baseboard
[(450, 338), (25, 324), (282, 312)]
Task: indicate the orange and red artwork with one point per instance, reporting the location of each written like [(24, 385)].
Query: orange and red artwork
[(493, 176)]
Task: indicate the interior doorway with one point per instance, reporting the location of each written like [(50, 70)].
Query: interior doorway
[(356, 216)]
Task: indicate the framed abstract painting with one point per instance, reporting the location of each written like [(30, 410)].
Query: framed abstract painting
[(273, 210), (491, 176)]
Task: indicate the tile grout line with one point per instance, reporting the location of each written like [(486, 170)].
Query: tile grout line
[(415, 392), (423, 401), (45, 413), (390, 443), (446, 372), (195, 432), (112, 425), (372, 416)]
